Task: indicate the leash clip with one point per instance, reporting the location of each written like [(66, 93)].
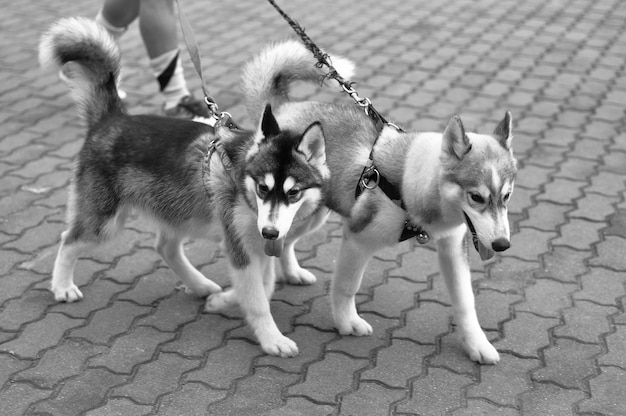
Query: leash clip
[(366, 178)]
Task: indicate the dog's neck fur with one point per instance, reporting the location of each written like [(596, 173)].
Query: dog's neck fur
[(411, 161)]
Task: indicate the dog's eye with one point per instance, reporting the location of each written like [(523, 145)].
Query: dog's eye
[(262, 189), (477, 198), (293, 193), (507, 196)]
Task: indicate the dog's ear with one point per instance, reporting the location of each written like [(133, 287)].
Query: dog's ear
[(312, 143), (455, 142), (269, 125), (504, 131)]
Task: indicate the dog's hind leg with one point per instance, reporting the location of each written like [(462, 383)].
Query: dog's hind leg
[(70, 249), (353, 258), (170, 247), (293, 273), (454, 266)]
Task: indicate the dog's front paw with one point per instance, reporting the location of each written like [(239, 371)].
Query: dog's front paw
[(356, 326), (299, 276), (220, 301), (280, 346), (67, 294), (203, 289), (481, 350)]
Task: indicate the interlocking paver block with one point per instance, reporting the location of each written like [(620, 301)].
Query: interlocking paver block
[(586, 321), (439, 391), (607, 393), (602, 286), (326, 379), (136, 347), (616, 343), (502, 384), (60, 363), (75, 398), (425, 323), (563, 264), (579, 234), (401, 361), (249, 399), (108, 323), (548, 399), (201, 335), (39, 335), (190, 399), (610, 253), (227, 363), (120, 407), (297, 406), (156, 378), (15, 399), (526, 334), (575, 356), (391, 298), (173, 312), (479, 407), (547, 297), (370, 399)]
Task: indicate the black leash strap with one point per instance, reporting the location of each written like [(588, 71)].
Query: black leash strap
[(324, 60), (217, 116)]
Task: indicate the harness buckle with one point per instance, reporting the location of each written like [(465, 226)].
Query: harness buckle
[(366, 178)]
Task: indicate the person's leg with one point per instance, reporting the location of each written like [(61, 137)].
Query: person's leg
[(116, 15), (159, 30)]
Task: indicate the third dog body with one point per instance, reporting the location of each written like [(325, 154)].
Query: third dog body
[(448, 182)]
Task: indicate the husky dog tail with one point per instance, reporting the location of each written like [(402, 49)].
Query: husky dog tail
[(94, 65), (268, 76)]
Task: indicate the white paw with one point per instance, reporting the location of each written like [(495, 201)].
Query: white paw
[(219, 302), (202, 289), (280, 346), (354, 325), (67, 294), (299, 276), (481, 351)]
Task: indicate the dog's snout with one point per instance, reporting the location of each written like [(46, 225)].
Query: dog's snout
[(501, 244), (269, 233)]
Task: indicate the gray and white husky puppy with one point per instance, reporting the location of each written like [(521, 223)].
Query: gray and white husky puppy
[(262, 189), (448, 182)]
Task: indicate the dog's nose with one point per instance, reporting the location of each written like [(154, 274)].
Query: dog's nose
[(501, 244), (269, 233)]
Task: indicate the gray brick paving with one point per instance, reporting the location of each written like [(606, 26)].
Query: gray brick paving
[(553, 304)]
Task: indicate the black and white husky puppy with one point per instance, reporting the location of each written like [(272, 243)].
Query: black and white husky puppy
[(262, 189)]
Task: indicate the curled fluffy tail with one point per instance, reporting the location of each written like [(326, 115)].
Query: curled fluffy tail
[(268, 76), (94, 65)]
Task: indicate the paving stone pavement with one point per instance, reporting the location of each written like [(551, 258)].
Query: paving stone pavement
[(553, 305)]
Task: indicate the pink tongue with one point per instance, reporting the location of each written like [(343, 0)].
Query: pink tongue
[(274, 247), (485, 253)]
